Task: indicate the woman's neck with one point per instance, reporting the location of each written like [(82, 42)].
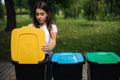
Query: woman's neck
[(43, 24)]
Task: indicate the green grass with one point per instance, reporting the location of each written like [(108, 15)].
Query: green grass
[(81, 35), (23, 20), (77, 35)]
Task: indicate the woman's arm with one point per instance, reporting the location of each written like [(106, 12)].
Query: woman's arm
[(52, 43)]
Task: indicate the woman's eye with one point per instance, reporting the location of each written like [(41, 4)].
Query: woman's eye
[(42, 14), (37, 14)]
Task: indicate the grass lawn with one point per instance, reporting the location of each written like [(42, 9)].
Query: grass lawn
[(75, 35)]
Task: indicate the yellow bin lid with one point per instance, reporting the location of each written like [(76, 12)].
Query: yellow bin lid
[(26, 44)]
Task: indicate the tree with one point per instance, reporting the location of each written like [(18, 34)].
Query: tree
[(113, 7), (102, 10), (20, 5), (11, 15), (90, 9), (1, 12), (68, 8)]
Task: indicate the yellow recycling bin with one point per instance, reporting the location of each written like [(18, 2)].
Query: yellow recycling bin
[(27, 54), (26, 44)]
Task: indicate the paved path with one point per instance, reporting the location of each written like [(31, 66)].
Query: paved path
[(7, 71)]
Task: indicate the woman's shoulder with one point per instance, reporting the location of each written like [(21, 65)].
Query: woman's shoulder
[(54, 28), (31, 24)]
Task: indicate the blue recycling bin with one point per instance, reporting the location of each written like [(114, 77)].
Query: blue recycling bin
[(67, 65), (103, 66)]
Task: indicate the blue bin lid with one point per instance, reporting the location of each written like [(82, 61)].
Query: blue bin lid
[(103, 57), (67, 58)]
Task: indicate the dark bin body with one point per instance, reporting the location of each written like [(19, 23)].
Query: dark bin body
[(65, 69), (30, 71), (102, 71), (103, 66)]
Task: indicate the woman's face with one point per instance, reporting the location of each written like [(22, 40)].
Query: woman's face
[(41, 16)]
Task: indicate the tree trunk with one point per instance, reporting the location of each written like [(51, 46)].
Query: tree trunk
[(11, 15)]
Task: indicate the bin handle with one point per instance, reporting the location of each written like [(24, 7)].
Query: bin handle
[(46, 59)]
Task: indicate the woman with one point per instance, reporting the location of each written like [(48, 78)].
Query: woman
[(42, 19)]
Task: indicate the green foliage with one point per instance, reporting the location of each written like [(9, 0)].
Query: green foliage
[(21, 7), (5, 48), (89, 9), (113, 7), (101, 9), (2, 24), (73, 9)]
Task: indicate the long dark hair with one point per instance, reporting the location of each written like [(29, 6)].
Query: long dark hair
[(42, 5)]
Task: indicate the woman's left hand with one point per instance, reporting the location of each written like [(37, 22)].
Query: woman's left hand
[(52, 43), (46, 47)]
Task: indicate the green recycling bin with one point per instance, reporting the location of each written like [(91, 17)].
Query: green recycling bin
[(67, 66), (103, 66)]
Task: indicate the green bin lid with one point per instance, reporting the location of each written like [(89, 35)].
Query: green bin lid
[(103, 57)]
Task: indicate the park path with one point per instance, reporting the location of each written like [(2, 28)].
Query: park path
[(7, 71)]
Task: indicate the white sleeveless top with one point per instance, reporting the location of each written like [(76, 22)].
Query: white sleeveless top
[(44, 27)]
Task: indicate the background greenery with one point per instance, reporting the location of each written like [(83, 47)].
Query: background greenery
[(75, 35), (89, 9), (83, 25)]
